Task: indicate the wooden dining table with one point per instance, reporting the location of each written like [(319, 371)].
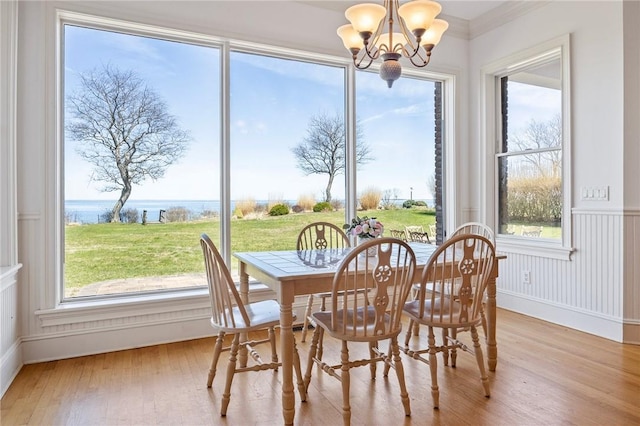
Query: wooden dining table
[(294, 273)]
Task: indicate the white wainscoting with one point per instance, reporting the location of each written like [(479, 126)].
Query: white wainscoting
[(11, 361), (596, 291)]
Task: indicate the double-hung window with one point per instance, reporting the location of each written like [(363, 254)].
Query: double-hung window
[(531, 153)]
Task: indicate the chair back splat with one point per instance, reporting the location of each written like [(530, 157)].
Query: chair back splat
[(319, 236)]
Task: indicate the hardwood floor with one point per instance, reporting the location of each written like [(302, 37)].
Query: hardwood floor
[(546, 375)]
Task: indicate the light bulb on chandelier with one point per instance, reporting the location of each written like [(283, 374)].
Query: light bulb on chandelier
[(419, 32)]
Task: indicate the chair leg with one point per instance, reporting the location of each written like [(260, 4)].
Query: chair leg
[(397, 361), (407, 337), (313, 349), (272, 341), (433, 366), (484, 321), (296, 366), (307, 314), (454, 350), (345, 378), (216, 356), (387, 365), (416, 328), (372, 355), (323, 307), (445, 351), (231, 370), (477, 348)]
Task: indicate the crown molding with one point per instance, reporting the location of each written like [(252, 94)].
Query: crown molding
[(507, 12), (458, 27)]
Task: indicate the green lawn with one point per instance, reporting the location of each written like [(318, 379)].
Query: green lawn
[(108, 251)]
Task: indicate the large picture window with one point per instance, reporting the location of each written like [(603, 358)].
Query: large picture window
[(162, 144)]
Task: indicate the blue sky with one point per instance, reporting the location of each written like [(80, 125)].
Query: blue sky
[(272, 101)]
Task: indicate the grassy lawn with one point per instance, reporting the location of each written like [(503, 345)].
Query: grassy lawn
[(107, 251)]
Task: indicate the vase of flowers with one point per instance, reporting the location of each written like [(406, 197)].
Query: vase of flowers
[(365, 228)]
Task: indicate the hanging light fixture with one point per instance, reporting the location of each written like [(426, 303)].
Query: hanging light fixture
[(367, 40)]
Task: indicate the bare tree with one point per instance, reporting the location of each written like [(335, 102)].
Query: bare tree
[(124, 129), (541, 135), (323, 149)]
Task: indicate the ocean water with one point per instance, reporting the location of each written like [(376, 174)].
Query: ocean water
[(93, 211)]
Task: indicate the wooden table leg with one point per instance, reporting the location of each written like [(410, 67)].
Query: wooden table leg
[(244, 296), (492, 346), (286, 352)]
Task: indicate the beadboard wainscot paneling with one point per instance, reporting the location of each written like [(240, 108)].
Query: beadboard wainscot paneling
[(587, 292), (11, 361)]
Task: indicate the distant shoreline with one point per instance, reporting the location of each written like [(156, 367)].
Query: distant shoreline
[(92, 211)]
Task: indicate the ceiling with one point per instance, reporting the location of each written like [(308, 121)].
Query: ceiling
[(463, 9)]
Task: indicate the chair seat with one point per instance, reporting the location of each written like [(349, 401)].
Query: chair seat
[(261, 314), (349, 329), (441, 309)]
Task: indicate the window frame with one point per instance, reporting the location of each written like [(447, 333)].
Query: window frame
[(491, 125), (116, 302)]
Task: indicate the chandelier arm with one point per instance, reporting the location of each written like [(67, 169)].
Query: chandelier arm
[(425, 61), (358, 63)]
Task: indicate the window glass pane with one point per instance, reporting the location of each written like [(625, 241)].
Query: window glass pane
[(142, 141), (534, 117), (287, 147), (532, 187), (530, 172), (397, 128)]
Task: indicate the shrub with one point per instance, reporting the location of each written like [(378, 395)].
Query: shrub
[(246, 206), (297, 208), (106, 216), (306, 202), (534, 200), (323, 206), (209, 214), (238, 213), (337, 204), (370, 198), (413, 203), (389, 197), (274, 200), (279, 210), (129, 216), (177, 214)]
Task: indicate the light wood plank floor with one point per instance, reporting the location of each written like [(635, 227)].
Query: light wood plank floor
[(546, 375)]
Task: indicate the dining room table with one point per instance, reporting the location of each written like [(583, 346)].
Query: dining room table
[(292, 273)]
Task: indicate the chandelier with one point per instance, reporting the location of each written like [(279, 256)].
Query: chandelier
[(366, 39)]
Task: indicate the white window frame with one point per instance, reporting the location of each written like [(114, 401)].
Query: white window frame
[(491, 135), (59, 310)]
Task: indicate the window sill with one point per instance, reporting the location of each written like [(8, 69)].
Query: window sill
[(538, 248), (185, 305)]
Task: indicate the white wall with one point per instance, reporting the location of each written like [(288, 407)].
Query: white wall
[(588, 292)]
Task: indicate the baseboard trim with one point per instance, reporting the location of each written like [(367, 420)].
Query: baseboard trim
[(586, 321), (10, 366), (50, 347)]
